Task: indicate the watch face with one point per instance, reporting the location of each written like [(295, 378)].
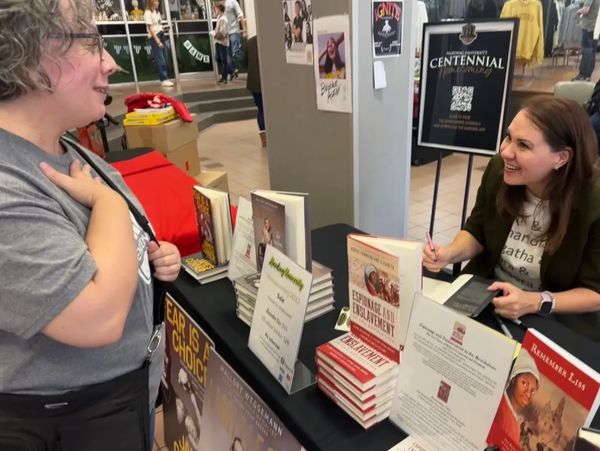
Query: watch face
[(546, 307), (547, 303)]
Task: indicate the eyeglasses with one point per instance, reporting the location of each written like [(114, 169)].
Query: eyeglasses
[(96, 43)]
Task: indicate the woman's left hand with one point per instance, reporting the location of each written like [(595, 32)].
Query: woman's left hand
[(166, 260), (514, 302)]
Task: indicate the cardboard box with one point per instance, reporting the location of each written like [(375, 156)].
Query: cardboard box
[(163, 137), (186, 158), (213, 179)]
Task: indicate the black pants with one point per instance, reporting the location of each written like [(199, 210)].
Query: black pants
[(111, 415)]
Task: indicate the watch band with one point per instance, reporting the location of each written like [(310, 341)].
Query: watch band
[(546, 303)]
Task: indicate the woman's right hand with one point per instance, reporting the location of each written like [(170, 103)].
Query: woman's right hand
[(435, 261), (80, 184)]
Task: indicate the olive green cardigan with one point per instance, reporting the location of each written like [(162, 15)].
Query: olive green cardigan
[(576, 263)]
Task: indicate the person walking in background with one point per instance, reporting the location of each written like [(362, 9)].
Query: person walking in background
[(235, 18), (221, 34), (588, 13), (253, 85), (158, 41)]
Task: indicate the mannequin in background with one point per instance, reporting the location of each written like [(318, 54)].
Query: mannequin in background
[(136, 14)]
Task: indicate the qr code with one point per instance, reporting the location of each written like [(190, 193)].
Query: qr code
[(462, 97)]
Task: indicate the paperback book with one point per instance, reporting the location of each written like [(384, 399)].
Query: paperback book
[(197, 266), (214, 224), (384, 274), (363, 366), (268, 217), (184, 377), (296, 227), (549, 396), (235, 417)]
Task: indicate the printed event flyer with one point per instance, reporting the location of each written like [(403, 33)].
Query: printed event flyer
[(333, 68), (279, 314), (184, 378), (297, 31), (235, 418), (451, 378), (387, 28)]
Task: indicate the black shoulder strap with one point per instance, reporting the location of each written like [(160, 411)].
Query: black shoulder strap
[(159, 287)]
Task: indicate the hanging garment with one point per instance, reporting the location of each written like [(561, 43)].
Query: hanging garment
[(433, 10), (482, 9), (550, 25), (569, 33), (421, 19), (454, 9), (530, 42)]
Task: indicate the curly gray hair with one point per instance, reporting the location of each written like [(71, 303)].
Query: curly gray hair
[(25, 26)]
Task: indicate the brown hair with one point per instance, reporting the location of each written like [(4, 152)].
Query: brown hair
[(564, 124)]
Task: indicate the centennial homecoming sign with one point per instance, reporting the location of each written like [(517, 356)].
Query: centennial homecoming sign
[(466, 73)]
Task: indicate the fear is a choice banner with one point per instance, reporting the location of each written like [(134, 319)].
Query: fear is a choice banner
[(466, 75)]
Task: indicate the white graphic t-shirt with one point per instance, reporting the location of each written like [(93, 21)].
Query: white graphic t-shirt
[(521, 255)]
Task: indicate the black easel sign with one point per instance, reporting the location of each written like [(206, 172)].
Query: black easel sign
[(466, 74)]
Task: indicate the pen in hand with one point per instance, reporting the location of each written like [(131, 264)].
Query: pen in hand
[(430, 244)]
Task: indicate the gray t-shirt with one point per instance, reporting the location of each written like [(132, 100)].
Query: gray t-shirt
[(588, 22), (45, 263)]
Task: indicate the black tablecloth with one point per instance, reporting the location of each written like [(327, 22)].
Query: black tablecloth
[(314, 420)]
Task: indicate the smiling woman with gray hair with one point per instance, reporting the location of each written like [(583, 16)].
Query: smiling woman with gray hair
[(77, 258)]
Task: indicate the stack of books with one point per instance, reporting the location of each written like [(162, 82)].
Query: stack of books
[(149, 116), (201, 269), (320, 302), (357, 378), (358, 370)]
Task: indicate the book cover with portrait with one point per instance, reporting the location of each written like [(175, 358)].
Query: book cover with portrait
[(205, 226), (236, 418), (549, 395), (187, 351), (383, 275), (268, 217)]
